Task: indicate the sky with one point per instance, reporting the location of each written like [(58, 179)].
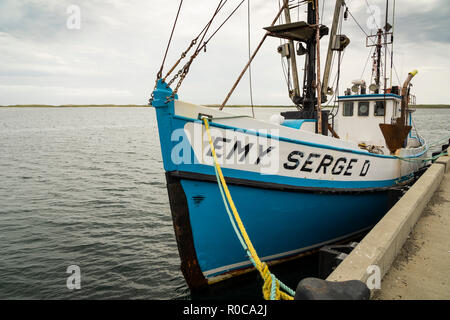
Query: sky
[(109, 51)]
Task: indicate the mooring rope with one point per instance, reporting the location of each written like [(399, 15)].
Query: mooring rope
[(439, 142), (272, 286)]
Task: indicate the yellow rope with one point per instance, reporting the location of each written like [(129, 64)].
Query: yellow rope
[(260, 266)]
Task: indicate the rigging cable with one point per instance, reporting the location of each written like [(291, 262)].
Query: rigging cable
[(193, 43), (246, 66), (249, 56), (372, 14), (286, 69), (373, 41), (159, 75), (367, 61), (201, 47), (230, 15), (364, 31), (323, 9), (392, 42), (337, 76), (183, 70)]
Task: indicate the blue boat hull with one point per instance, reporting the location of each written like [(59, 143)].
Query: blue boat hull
[(286, 213), (281, 223)]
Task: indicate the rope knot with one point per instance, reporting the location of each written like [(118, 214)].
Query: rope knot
[(271, 287)]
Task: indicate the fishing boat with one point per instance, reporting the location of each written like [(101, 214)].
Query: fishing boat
[(305, 178)]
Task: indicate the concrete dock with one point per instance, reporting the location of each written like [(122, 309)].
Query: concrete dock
[(409, 249), (422, 268)]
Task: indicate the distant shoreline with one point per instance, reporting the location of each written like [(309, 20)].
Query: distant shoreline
[(419, 106), (76, 106)]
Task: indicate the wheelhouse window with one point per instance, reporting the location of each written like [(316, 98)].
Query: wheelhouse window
[(379, 108), (348, 109), (363, 108)]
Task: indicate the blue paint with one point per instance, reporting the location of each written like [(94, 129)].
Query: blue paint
[(164, 115), (296, 124), (277, 221), (376, 96)]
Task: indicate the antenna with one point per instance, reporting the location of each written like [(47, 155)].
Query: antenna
[(392, 42), (387, 27), (378, 42)]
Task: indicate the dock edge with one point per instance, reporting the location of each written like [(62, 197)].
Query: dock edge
[(382, 244)]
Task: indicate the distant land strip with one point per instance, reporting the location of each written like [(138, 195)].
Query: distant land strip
[(419, 106), (75, 106)]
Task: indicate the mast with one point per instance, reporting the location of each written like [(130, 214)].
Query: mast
[(385, 46), (318, 84), (378, 54), (378, 44), (305, 33), (309, 101), (331, 45), (392, 42), (292, 57)]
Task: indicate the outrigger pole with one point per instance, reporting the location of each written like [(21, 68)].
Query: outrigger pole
[(331, 46), (251, 59)]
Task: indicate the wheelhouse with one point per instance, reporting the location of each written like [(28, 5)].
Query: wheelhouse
[(359, 117)]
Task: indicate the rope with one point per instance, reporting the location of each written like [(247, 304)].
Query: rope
[(443, 153), (193, 43), (362, 29), (272, 286), (159, 75), (229, 16), (248, 63), (183, 72), (367, 61), (438, 142)]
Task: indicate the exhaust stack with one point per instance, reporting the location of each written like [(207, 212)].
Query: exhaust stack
[(395, 134)]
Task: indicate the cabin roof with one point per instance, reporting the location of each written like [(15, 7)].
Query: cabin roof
[(370, 96)]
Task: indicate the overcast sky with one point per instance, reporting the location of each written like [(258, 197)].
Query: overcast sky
[(114, 56)]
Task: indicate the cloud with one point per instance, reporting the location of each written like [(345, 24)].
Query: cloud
[(118, 50)]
